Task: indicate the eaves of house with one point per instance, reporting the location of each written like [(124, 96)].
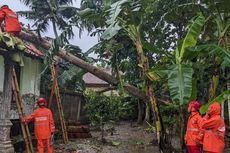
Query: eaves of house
[(92, 81)]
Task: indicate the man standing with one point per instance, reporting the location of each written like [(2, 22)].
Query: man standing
[(43, 125), (213, 130), (10, 18), (193, 128)]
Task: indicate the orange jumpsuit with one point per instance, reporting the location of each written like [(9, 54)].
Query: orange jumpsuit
[(43, 127), (213, 130), (192, 132), (12, 24)]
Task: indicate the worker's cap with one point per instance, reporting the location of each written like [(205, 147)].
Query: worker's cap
[(1, 5), (41, 101), (5, 2), (195, 104)]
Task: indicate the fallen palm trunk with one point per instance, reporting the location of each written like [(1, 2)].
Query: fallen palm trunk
[(31, 37)]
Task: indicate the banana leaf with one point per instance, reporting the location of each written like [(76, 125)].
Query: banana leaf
[(180, 83), (114, 27), (191, 37), (155, 74), (210, 50)]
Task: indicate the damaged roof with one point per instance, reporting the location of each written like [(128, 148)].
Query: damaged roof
[(32, 50), (10, 43)]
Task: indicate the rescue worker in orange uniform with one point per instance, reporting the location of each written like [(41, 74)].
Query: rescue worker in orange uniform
[(10, 18), (43, 125), (193, 128), (213, 130)]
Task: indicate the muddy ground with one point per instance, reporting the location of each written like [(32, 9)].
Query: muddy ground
[(126, 138)]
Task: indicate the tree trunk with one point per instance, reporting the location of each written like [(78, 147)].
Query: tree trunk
[(140, 112), (147, 113), (163, 143), (30, 37), (228, 88), (213, 85), (182, 127)]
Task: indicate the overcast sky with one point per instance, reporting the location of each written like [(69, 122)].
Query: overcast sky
[(85, 42)]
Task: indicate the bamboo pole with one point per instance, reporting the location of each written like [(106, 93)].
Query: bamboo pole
[(58, 98)]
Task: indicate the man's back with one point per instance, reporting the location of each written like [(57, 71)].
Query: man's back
[(43, 123), (10, 18)]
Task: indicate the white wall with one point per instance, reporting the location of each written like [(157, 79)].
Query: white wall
[(30, 76)]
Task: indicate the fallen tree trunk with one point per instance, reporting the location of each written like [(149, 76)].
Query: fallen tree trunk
[(31, 37)]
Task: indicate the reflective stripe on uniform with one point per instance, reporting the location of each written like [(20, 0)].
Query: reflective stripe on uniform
[(215, 133), (40, 124), (193, 129), (40, 118)]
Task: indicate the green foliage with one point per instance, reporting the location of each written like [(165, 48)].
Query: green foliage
[(60, 41), (210, 50), (180, 83), (180, 74), (114, 27), (100, 108), (49, 11), (191, 37), (171, 121), (10, 43), (103, 109), (220, 99), (127, 15), (157, 25), (73, 79)]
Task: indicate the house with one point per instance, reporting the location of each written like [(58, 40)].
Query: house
[(27, 61), (96, 84), (28, 66)]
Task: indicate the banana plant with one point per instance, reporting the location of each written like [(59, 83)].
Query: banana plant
[(180, 73), (222, 20), (127, 15)]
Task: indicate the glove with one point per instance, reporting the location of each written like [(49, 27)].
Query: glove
[(22, 119), (198, 143)]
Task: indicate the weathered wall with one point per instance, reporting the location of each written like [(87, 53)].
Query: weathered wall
[(29, 84), (72, 104)]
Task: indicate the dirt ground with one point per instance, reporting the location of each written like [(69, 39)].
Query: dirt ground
[(125, 139)]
